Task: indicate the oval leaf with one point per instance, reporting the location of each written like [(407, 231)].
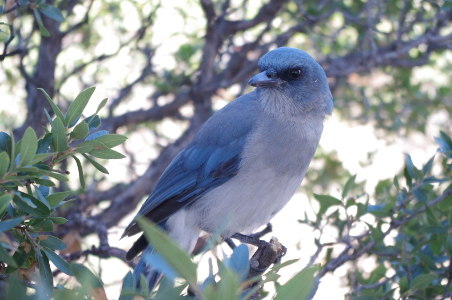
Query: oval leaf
[(174, 256), (60, 263), (59, 140), (4, 163), (7, 225), (45, 273), (106, 154), (96, 164), (28, 147), (56, 198), (51, 12), (80, 131), (81, 177), (51, 242), (77, 106), (422, 281), (112, 140), (302, 286)]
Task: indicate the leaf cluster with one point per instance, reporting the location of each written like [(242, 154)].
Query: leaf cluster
[(28, 175), (406, 230), (230, 282)]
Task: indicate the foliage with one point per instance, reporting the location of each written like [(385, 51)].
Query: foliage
[(175, 62), (407, 233), (28, 169)]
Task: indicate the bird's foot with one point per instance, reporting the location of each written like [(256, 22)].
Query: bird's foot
[(248, 239), (252, 239), (259, 234)]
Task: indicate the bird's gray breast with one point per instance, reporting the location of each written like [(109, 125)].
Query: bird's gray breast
[(274, 161), (285, 145)]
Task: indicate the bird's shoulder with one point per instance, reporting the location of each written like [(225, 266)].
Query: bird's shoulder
[(233, 121)]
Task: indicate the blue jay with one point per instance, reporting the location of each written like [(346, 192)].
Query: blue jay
[(246, 161)]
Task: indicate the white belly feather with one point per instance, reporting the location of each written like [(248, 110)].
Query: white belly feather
[(270, 172)]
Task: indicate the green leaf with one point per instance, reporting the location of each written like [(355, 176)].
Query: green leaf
[(31, 205), (428, 165), (85, 277), (7, 225), (28, 147), (434, 229), (325, 202), (26, 170), (56, 198), (106, 154), (44, 143), (44, 182), (348, 185), (59, 140), (43, 226), (422, 281), (5, 143), (302, 286), (128, 287), (58, 176), (51, 242), (57, 220), (51, 12), (4, 163), (76, 108), (96, 135), (365, 298), (4, 200), (23, 258), (80, 131), (17, 151), (5, 257), (87, 146), (421, 195), (41, 197), (93, 122), (42, 29), (376, 233), (101, 105), (96, 164), (412, 170), (60, 263), (450, 220), (239, 261), (444, 142), (111, 140), (174, 256), (45, 274), (228, 285), (62, 157), (81, 177), (16, 289), (449, 245), (403, 283), (40, 158), (167, 290), (12, 155), (55, 108), (427, 260)]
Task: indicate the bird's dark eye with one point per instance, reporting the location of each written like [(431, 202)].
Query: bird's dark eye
[(295, 73)]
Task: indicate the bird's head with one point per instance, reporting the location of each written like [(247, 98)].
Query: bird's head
[(293, 75)]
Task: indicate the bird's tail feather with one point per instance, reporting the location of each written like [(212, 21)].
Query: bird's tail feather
[(151, 275)]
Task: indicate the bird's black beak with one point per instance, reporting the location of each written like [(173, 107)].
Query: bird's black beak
[(262, 80)]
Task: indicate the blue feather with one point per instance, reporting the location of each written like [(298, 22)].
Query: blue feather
[(210, 160)]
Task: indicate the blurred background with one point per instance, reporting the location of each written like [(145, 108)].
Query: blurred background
[(166, 66)]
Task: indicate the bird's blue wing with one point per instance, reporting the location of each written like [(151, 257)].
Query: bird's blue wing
[(211, 159)]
